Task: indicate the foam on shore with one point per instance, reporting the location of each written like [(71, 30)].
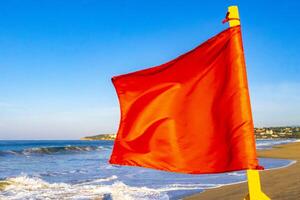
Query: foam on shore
[(24, 187)]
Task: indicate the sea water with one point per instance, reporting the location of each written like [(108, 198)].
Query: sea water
[(79, 170)]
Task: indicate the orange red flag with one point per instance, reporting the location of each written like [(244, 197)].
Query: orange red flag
[(190, 115)]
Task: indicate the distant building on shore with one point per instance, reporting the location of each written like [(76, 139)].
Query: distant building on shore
[(277, 132)]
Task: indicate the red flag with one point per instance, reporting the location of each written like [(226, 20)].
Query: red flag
[(190, 115)]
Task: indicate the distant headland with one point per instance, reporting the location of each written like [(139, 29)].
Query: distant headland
[(100, 137), (260, 133)]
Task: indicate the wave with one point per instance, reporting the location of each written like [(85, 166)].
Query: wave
[(50, 150), (269, 143), (24, 187), (196, 186), (65, 172), (236, 174), (109, 188), (100, 180)]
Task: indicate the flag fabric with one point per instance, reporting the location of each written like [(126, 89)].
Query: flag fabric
[(189, 115)]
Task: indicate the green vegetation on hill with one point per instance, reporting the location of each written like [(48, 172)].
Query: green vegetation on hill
[(296, 135), (100, 137)]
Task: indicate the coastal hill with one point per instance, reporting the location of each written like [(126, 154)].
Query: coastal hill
[(100, 137), (260, 133), (277, 132)]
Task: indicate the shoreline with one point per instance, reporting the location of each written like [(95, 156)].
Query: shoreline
[(282, 183)]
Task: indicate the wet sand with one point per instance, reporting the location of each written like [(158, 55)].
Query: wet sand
[(278, 184)]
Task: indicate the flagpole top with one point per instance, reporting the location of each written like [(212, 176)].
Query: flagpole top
[(232, 16)]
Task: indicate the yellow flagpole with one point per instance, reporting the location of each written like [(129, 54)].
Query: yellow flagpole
[(255, 192)]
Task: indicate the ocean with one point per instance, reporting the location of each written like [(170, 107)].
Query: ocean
[(79, 170)]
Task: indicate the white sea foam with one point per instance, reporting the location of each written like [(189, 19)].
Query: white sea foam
[(174, 187), (100, 180), (33, 188), (270, 143), (29, 188), (236, 174)]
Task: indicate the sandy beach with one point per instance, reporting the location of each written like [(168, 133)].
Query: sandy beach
[(281, 184)]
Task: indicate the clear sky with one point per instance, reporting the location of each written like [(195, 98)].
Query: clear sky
[(57, 58)]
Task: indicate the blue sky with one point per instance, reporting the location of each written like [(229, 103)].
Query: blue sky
[(57, 58)]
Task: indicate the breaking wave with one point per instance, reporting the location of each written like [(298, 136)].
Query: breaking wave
[(269, 143), (32, 188), (50, 150)]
